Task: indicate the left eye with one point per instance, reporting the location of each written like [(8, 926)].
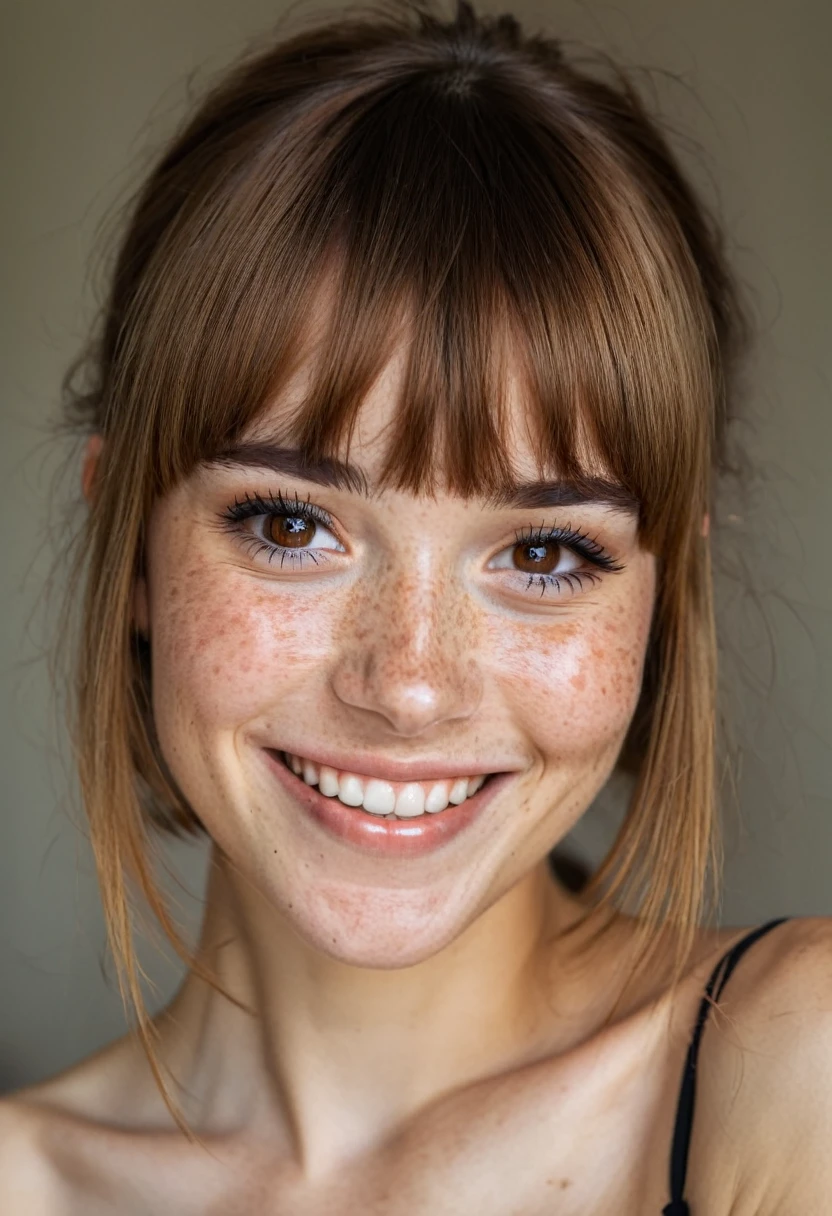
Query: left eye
[(537, 557)]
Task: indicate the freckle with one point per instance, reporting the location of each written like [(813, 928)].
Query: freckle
[(578, 681), (603, 690), (564, 1183)]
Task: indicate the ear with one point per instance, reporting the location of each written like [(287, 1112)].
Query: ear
[(92, 451), (706, 524)]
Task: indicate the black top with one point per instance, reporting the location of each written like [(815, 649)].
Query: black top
[(687, 1093)]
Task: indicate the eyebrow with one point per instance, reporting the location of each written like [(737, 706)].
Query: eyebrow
[(341, 475), (289, 462)]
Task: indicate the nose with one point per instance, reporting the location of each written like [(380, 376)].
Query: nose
[(409, 656)]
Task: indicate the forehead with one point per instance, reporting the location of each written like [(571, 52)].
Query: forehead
[(366, 445), (473, 399), (359, 464), (359, 461)]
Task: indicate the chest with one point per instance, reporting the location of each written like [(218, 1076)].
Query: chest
[(591, 1136)]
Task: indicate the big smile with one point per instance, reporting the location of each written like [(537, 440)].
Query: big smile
[(384, 799)]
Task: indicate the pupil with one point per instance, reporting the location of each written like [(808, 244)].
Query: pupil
[(537, 558), (291, 531)]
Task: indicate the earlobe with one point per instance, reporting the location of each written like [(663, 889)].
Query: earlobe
[(92, 451), (706, 524)]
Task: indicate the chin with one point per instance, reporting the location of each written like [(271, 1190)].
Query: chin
[(382, 929)]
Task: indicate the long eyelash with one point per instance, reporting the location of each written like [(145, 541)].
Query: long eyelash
[(275, 504), (581, 543), (253, 505)]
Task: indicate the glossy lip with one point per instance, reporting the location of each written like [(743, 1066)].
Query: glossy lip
[(382, 837)]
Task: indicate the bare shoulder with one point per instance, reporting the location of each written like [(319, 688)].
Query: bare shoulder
[(782, 989), (28, 1185), (765, 1073), (48, 1132)]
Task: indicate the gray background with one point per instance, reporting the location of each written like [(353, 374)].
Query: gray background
[(89, 89)]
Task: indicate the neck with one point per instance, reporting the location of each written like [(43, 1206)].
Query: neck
[(333, 1057)]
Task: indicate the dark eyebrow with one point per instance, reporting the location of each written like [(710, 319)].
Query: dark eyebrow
[(598, 491), (290, 463), (342, 475)]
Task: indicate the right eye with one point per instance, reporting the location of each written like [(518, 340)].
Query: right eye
[(281, 528), (296, 531)]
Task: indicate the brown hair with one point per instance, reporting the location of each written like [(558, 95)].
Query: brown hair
[(470, 182)]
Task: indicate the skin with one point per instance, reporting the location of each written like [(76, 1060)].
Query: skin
[(415, 1021), (403, 647)]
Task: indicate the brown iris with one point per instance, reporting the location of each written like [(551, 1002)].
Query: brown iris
[(537, 557), (290, 531)]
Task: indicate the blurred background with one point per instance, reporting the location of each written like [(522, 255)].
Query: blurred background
[(90, 90)]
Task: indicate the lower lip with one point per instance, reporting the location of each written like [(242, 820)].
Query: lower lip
[(385, 837)]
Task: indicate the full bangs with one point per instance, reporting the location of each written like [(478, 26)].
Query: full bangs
[(457, 203)]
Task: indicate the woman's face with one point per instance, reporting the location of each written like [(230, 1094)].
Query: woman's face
[(409, 641)]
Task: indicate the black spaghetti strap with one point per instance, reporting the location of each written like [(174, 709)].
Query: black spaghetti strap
[(687, 1094)]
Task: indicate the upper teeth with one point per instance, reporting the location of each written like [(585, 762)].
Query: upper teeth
[(382, 797)]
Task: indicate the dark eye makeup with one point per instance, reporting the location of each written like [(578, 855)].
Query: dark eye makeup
[(535, 545), (291, 510), (538, 550)]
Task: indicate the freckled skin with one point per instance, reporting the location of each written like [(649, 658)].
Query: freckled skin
[(406, 646), (379, 996)]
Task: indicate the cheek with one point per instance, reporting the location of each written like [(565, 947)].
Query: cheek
[(226, 647), (575, 684)]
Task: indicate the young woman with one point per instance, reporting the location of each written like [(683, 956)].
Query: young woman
[(401, 428)]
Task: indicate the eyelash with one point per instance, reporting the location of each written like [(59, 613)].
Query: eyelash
[(253, 506), (578, 542)]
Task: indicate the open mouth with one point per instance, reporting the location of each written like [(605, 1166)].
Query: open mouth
[(384, 799)]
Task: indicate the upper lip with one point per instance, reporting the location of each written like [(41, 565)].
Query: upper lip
[(369, 766)]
